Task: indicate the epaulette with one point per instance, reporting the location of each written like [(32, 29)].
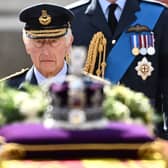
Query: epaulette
[(15, 74), (157, 2), (77, 4)]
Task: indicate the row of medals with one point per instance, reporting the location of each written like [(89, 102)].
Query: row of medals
[(143, 44)]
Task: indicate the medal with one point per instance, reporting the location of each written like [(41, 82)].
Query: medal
[(151, 43), (135, 51), (143, 50), (144, 68), (135, 44), (142, 42), (151, 50)]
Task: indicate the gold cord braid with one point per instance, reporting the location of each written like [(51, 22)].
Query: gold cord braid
[(88, 63), (67, 59), (103, 64), (97, 48)]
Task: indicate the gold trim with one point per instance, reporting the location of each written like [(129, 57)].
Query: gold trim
[(155, 150), (47, 33), (96, 78), (151, 150), (97, 50), (15, 74), (67, 58), (12, 151), (90, 146), (16, 151)]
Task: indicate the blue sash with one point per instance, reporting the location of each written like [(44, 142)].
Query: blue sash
[(120, 56)]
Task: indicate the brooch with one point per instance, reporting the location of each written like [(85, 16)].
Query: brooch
[(144, 68)]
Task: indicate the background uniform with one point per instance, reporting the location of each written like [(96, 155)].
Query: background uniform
[(90, 19)]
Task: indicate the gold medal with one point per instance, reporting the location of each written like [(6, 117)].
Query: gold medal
[(135, 51)]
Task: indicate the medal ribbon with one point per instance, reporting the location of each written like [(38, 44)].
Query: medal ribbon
[(120, 57)]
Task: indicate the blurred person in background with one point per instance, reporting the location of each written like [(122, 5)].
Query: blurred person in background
[(134, 36)]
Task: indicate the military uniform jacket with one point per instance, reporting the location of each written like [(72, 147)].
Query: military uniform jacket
[(90, 19), (25, 75)]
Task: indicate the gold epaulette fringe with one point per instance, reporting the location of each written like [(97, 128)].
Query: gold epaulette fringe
[(15, 74), (97, 50)]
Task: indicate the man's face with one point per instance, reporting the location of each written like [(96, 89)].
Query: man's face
[(47, 54)]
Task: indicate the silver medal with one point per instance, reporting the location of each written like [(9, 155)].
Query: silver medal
[(143, 51), (151, 50)]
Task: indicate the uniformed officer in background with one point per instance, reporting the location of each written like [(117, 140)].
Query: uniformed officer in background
[(127, 41), (47, 38)]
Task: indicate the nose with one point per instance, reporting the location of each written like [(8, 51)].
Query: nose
[(45, 48)]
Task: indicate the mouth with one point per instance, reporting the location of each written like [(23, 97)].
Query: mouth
[(47, 61)]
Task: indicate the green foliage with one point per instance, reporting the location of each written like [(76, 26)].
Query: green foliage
[(122, 103), (16, 105)]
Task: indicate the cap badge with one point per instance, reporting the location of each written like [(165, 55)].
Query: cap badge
[(144, 68), (45, 19)]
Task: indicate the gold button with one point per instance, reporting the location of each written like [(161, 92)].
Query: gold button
[(113, 42)]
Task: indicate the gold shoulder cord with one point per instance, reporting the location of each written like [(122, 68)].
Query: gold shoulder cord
[(97, 48)]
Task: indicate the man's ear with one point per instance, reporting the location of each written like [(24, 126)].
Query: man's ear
[(69, 44), (71, 40)]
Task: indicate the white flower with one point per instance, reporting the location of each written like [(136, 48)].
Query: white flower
[(20, 97), (30, 107)]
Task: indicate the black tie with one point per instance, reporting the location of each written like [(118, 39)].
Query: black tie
[(112, 21)]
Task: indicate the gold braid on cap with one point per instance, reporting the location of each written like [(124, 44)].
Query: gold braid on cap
[(46, 33), (97, 48)]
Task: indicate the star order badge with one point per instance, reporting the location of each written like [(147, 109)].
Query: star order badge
[(144, 68)]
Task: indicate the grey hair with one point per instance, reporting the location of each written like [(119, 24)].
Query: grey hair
[(68, 36)]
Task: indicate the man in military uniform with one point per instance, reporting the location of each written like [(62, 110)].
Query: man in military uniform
[(134, 38), (47, 38)]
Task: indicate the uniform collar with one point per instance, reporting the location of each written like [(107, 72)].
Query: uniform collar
[(105, 4), (127, 16)]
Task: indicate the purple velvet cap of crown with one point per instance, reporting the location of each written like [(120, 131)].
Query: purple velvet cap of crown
[(54, 88)]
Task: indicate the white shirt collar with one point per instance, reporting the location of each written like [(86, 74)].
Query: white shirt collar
[(59, 78), (105, 4)]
